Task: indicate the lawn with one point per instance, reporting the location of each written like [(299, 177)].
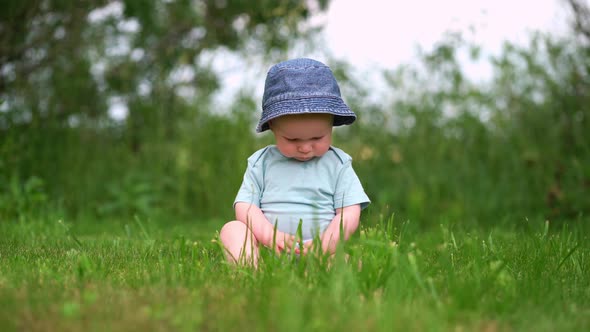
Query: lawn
[(142, 275)]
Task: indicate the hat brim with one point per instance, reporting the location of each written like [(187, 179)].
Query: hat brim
[(335, 106)]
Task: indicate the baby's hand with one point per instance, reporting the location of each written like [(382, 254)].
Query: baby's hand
[(305, 249), (291, 244), (282, 242)]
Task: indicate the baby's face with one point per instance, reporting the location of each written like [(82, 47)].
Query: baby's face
[(304, 136)]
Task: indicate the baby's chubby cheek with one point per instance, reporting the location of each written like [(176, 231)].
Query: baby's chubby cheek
[(322, 151)]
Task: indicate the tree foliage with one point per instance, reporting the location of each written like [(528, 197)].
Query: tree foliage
[(511, 148), (64, 65), (62, 61)]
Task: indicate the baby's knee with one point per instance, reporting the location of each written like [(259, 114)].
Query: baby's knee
[(231, 229)]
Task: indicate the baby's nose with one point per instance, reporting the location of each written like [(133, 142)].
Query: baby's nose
[(305, 148)]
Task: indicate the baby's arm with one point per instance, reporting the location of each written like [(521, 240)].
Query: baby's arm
[(350, 216), (263, 230)]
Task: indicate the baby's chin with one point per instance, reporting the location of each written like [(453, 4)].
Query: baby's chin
[(298, 158), (303, 159), (307, 158)]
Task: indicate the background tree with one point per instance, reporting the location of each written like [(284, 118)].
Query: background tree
[(62, 61), (64, 64)]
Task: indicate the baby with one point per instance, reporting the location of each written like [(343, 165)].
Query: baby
[(302, 180)]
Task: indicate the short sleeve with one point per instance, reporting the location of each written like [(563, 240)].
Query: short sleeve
[(251, 189), (349, 190)]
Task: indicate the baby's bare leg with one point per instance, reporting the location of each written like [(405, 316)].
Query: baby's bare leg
[(241, 246)]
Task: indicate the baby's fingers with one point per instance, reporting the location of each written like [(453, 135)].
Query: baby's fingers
[(279, 246), (307, 247), (289, 241)]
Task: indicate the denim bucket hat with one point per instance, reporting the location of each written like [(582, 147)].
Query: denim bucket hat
[(302, 86)]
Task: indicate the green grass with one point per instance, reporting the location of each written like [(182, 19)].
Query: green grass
[(139, 275)]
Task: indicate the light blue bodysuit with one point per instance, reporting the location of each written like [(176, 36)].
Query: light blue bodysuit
[(288, 190)]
